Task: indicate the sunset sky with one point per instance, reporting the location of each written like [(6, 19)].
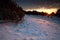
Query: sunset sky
[(40, 5)]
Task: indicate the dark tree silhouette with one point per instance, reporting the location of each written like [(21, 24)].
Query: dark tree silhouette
[(9, 10), (36, 13), (52, 14), (58, 13), (43, 13)]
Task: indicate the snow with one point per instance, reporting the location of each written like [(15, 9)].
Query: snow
[(32, 28)]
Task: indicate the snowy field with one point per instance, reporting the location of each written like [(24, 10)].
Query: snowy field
[(32, 28)]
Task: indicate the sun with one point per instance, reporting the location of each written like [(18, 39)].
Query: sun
[(49, 11)]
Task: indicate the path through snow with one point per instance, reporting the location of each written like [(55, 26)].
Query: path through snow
[(32, 28)]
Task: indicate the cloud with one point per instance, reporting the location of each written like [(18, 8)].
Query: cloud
[(39, 3)]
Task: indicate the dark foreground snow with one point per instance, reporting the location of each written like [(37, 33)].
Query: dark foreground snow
[(32, 28)]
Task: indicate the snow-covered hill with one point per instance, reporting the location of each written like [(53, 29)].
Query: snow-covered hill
[(32, 28)]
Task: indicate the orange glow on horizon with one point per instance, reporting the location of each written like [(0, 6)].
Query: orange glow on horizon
[(49, 11)]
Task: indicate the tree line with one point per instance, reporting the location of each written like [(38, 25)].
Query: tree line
[(9, 10), (57, 14)]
